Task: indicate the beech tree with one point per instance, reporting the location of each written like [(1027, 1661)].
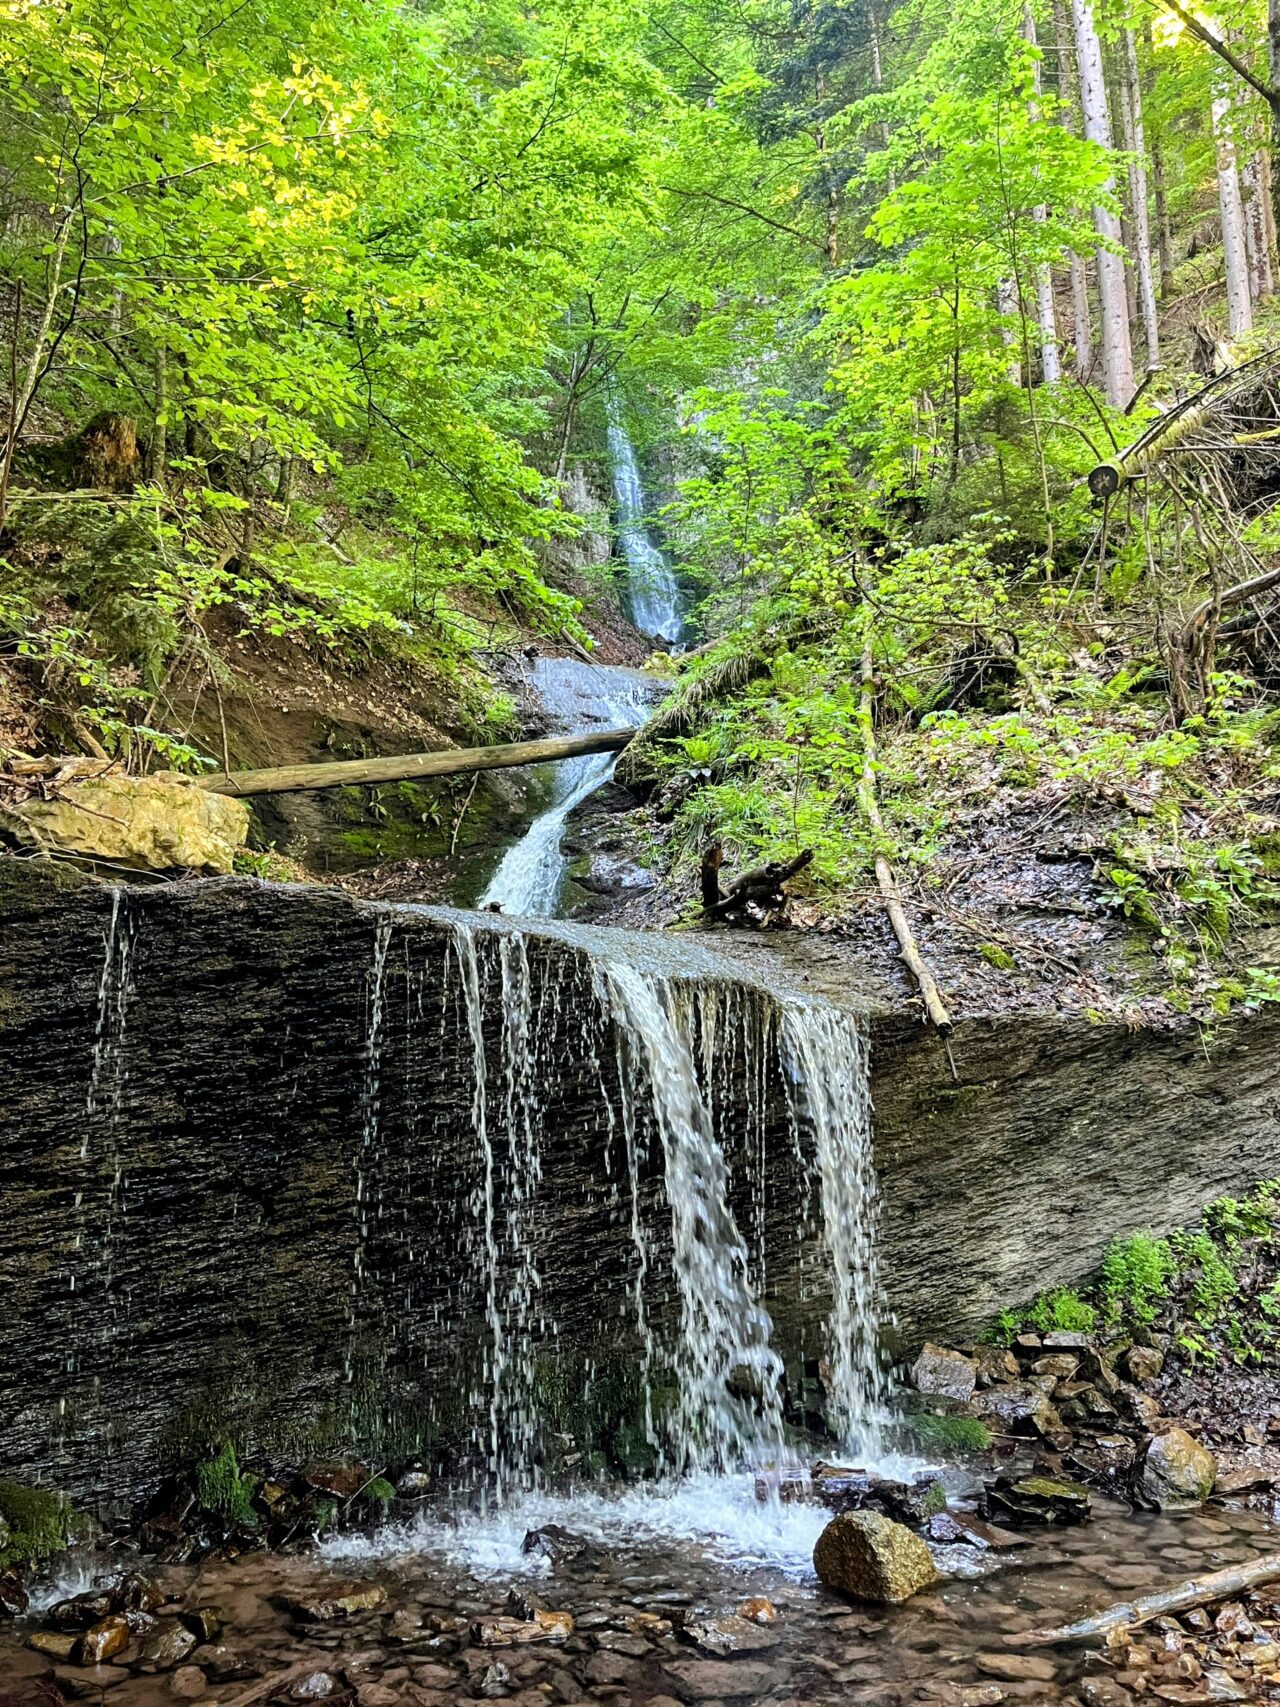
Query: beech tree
[(1117, 353)]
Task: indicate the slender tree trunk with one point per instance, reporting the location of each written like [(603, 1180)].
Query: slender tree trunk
[(1273, 67), (1117, 353), (1009, 306), (158, 448), (1069, 94), (1231, 209), (877, 80), (1136, 143), (1164, 226), (1046, 314), (1266, 179), (1257, 230)]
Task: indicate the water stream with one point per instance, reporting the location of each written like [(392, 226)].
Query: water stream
[(578, 698)]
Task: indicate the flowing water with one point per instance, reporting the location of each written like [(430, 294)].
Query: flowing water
[(579, 699), (688, 1050), (656, 605)]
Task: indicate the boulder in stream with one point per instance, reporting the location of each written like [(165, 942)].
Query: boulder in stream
[(870, 1557), (1176, 1470)]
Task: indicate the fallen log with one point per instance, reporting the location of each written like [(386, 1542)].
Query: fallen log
[(1218, 1585), (934, 1006), (1171, 430), (344, 773)]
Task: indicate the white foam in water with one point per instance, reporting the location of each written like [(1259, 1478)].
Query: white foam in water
[(720, 1514)]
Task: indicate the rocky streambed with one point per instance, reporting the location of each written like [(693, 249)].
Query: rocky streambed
[(679, 1606)]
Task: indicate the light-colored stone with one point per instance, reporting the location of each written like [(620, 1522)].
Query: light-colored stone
[(873, 1558), (157, 823), (1017, 1668), (1177, 1470), (944, 1374), (187, 1683)]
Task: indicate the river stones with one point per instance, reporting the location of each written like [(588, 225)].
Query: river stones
[(102, 1641), (1019, 1407), (14, 1598), (1176, 1470), (870, 1557), (1038, 1499), (944, 1374), (344, 1600)]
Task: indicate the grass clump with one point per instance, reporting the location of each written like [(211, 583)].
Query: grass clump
[(36, 1524), (1136, 1276), (941, 1434), (224, 1490), (1062, 1310)]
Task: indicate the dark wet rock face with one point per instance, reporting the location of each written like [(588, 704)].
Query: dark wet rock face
[(185, 1141)]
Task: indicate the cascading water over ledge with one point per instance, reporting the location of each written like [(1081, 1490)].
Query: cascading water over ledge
[(257, 1186)]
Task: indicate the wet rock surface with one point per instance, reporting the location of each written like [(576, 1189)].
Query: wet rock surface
[(222, 1133), (667, 1622)]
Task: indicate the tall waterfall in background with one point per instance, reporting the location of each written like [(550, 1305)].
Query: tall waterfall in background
[(579, 698), (652, 587)]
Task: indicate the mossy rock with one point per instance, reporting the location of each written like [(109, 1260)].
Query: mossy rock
[(37, 1524)]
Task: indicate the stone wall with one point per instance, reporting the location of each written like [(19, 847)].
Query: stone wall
[(233, 1200)]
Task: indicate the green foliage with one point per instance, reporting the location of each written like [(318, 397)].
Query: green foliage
[(224, 1490), (1216, 1286), (1136, 1274), (1062, 1310), (40, 1522)]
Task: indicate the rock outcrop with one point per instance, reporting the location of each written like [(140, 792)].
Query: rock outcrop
[(234, 1206)]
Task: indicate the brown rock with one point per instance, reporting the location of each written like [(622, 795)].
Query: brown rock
[(944, 1374), (57, 1644), (187, 1683), (1019, 1408), (1176, 1470), (342, 1600), (871, 1557), (1142, 1363), (102, 1641), (1017, 1668), (718, 1680)]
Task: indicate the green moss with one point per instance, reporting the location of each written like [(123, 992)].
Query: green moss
[(998, 957), (949, 1434), (40, 1523), (224, 1490), (379, 1491)]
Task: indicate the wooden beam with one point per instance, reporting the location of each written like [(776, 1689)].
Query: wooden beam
[(345, 773)]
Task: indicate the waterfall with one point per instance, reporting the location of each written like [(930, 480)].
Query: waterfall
[(711, 1375), (578, 697), (724, 1331), (652, 587)]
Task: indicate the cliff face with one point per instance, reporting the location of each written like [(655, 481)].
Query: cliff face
[(243, 1188)]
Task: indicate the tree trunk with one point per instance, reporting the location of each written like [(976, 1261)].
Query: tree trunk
[(341, 773), (877, 81), (1257, 228), (1069, 95), (1046, 313), (1164, 226), (1136, 143), (1117, 354), (1231, 209), (158, 448), (1009, 306)]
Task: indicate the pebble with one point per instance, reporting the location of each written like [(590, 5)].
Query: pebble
[(187, 1683)]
